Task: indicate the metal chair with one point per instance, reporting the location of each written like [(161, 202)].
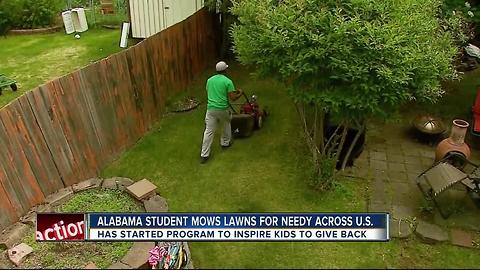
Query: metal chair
[(443, 175)]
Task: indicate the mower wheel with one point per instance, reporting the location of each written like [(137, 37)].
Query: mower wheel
[(13, 86), (259, 122)]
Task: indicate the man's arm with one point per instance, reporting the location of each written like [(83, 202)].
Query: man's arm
[(235, 94)]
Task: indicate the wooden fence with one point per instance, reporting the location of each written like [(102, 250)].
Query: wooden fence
[(67, 130)]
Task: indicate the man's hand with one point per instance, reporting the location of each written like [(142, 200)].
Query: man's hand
[(235, 95)]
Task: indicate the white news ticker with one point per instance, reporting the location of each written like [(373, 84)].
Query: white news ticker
[(216, 234)]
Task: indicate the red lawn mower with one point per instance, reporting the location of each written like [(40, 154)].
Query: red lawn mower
[(249, 117)]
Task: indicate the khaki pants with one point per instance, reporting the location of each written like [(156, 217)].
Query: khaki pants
[(212, 120)]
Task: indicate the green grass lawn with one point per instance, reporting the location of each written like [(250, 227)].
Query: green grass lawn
[(267, 172), (35, 59)]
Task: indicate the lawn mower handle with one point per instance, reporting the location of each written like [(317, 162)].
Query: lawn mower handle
[(243, 93)]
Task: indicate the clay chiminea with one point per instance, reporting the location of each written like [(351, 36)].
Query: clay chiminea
[(456, 141)]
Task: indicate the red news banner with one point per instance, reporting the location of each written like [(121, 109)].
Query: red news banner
[(60, 227)]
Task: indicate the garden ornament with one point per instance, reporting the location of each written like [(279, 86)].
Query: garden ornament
[(429, 124), (455, 144)]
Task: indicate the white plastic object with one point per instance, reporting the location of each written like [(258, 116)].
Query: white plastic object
[(67, 22), (79, 20), (124, 37)]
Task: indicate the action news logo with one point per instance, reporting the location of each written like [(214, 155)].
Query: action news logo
[(60, 227)]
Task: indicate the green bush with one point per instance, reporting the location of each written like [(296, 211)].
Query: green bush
[(462, 13), (27, 14), (39, 13), (9, 14)]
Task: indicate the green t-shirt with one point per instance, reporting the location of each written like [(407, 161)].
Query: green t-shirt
[(218, 87)]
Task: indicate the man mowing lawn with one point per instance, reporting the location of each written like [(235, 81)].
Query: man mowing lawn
[(219, 90)]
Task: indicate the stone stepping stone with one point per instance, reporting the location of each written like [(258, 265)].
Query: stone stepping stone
[(461, 238), (18, 253), (142, 189), (431, 233), (138, 255), (156, 204)]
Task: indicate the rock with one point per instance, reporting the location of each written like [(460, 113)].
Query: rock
[(90, 265), (401, 228), (431, 233), (156, 204), (29, 218), (60, 196), (41, 208), (138, 255), (123, 183), (142, 189), (87, 184), (109, 183), (472, 50), (18, 253), (119, 265), (13, 235), (461, 238)]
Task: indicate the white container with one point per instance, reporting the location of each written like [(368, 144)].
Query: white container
[(124, 37), (79, 20), (67, 22)]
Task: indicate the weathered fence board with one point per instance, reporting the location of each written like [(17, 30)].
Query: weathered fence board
[(34, 148), (68, 129), (51, 130)]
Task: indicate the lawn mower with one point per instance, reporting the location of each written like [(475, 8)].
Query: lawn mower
[(5, 81), (250, 117)]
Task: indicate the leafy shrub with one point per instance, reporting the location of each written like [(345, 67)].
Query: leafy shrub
[(462, 17), (28, 13), (9, 14), (39, 13)]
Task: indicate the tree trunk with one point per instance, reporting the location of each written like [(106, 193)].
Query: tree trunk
[(342, 143), (316, 154), (361, 129)]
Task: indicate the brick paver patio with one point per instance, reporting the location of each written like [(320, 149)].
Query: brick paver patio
[(392, 160)]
